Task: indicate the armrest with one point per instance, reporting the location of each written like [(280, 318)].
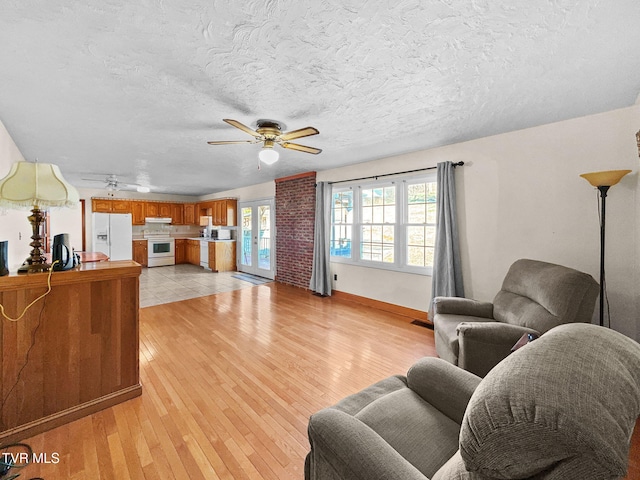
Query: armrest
[(482, 345), (346, 448), (495, 333), (462, 306), (443, 385)]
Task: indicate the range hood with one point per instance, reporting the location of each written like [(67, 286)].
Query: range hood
[(166, 220)]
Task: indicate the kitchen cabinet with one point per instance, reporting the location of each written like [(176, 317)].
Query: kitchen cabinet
[(100, 206), (190, 214), (164, 210), (222, 212), (151, 209), (137, 213), (180, 250), (229, 213), (222, 256), (105, 205), (177, 214), (140, 252), (192, 253)]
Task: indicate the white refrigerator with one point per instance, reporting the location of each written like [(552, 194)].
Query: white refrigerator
[(112, 235)]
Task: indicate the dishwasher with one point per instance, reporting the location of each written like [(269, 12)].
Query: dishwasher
[(204, 254)]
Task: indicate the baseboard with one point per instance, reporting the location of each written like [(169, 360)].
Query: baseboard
[(410, 313), (69, 415)]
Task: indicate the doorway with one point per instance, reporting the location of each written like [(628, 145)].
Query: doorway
[(257, 227)]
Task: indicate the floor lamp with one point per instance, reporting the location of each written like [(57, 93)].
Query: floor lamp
[(36, 186), (603, 181)]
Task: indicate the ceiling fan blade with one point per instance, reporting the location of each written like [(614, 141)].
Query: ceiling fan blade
[(231, 142), (301, 132), (244, 128), (301, 148)]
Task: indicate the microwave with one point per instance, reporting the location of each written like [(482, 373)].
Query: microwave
[(220, 234)]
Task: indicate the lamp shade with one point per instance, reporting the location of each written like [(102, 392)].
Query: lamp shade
[(36, 184), (268, 156), (605, 179)]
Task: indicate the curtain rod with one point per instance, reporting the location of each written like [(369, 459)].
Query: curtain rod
[(375, 177)]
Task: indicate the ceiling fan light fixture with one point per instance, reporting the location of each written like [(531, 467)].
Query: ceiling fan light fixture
[(143, 189), (268, 155)]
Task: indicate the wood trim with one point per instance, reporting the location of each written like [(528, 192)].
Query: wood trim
[(387, 307), (295, 177), (84, 226), (69, 415)]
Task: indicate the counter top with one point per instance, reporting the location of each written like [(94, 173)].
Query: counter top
[(206, 239), (82, 273)]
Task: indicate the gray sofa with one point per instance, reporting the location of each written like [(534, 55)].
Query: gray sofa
[(562, 407), (535, 297)]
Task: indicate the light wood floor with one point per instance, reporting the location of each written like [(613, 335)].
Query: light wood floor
[(229, 382)]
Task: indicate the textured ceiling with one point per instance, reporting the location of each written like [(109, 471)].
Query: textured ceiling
[(138, 88)]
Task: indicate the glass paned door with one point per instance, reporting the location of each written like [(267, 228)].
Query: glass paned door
[(257, 247)]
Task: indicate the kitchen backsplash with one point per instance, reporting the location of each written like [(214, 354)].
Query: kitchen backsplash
[(173, 230)]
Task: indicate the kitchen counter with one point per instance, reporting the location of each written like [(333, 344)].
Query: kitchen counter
[(86, 336), (207, 239)]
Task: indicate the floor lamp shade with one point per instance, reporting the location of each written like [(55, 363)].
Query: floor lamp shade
[(603, 181), (37, 186)]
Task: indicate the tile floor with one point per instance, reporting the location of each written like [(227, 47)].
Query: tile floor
[(181, 282)]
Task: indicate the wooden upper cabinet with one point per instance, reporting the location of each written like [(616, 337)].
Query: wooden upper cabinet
[(151, 209), (231, 209), (177, 214), (100, 205), (219, 212), (137, 213), (164, 210), (106, 205), (222, 212), (120, 206), (190, 214)]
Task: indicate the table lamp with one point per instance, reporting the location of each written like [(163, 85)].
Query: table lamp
[(603, 181), (36, 186)]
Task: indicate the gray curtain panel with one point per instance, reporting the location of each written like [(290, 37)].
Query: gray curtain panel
[(447, 270), (321, 269)]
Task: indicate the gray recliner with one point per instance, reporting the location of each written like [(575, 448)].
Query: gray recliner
[(562, 407), (535, 297)]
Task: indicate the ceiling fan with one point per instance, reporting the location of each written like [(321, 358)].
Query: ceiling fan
[(112, 184), (269, 133)]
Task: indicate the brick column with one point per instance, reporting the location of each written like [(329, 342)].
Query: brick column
[(295, 216)]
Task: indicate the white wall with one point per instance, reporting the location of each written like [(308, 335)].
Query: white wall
[(14, 226), (246, 194)]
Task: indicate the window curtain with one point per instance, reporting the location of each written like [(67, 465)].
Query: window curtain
[(447, 271), (321, 269)]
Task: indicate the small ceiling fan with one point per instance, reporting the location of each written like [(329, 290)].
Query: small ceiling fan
[(269, 133), (112, 184)]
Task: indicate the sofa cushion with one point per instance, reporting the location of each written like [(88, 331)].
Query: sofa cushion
[(404, 420), (542, 295), (549, 405)]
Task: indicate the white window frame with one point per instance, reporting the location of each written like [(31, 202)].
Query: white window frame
[(400, 225)]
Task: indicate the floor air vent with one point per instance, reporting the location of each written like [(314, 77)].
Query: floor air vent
[(420, 323)]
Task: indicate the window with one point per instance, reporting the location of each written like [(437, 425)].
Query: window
[(421, 223), (341, 223), (389, 225)]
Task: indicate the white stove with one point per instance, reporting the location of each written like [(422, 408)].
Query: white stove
[(161, 249)]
